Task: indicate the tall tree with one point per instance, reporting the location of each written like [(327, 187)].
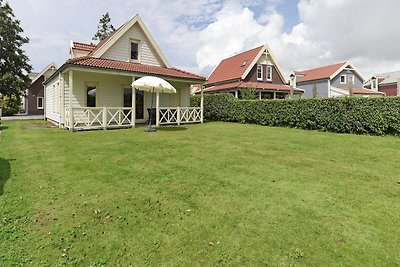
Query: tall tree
[(14, 66), (104, 29)]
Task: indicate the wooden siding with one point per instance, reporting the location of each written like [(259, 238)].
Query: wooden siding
[(51, 101), (120, 50), (252, 76)]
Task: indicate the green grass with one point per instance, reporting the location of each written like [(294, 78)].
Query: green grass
[(200, 195)]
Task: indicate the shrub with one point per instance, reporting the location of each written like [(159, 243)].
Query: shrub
[(10, 105), (376, 116)]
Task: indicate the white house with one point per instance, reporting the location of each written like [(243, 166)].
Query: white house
[(92, 90)]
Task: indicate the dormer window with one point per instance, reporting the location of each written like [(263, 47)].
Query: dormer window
[(259, 73), (269, 73), (134, 51), (373, 84), (343, 79)]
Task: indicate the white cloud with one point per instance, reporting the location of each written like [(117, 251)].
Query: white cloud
[(196, 35)]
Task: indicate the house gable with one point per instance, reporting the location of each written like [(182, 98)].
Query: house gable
[(117, 46), (265, 58), (120, 50)]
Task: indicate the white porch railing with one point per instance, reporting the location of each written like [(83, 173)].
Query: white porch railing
[(88, 118), (179, 115)]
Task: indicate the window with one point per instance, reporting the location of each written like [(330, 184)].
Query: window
[(91, 96), (259, 73), (343, 79), (135, 51), (39, 103), (373, 85), (269, 73)]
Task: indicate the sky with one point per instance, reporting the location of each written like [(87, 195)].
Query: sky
[(196, 35)]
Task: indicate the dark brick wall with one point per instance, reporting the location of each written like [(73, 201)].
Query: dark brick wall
[(252, 76), (36, 90), (390, 90)]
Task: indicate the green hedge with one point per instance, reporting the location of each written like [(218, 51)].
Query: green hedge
[(376, 116)]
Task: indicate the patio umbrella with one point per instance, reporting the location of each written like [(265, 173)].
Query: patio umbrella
[(153, 85)]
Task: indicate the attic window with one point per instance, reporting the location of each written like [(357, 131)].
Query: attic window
[(135, 51), (343, 79), (259, 73), (269, 73), (244, 63)]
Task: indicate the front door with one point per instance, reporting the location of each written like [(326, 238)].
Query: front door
[(139, 107)]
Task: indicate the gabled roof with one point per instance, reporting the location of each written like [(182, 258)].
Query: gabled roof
[(105, 44), (234, 67), (52, 65), (319, 73), (255, 85), (386, 78), (326, 72), (237, 67), (101, 63), (83, 46)]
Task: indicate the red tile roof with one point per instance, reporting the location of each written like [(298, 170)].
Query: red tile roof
[(259, 86), (234, 67), (83, 46), (318, 73), (133, 67)]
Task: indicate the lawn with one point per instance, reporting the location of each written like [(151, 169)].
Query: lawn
[(199, 195)]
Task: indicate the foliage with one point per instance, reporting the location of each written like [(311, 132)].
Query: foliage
[(14, 65), (213, 194), (248, 94), (104, 29), (376, 116), (10, 105)]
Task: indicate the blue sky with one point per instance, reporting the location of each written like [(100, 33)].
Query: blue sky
[(196, 35)]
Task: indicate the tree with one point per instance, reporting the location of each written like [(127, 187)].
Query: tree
[(248, 93), (14, 66), (104, 29)]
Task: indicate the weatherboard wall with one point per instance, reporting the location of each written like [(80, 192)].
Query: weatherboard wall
[(358, 82), (322, 88), (121, 49)]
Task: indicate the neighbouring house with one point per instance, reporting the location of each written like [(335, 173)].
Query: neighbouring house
[(256, 69), (388, 83), (336, 80), (33, 102), (92, 90)]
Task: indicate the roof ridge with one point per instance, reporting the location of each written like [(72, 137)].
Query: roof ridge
[(259, 47), (76, 42), (327, 66)]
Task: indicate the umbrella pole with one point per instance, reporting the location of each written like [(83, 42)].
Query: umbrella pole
[(151, 129)]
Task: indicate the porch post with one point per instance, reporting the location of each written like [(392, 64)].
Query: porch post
[(274, 95), (201, 104), (259, 95), (133, 121), (104, 118), (71, 111), (158, 109)]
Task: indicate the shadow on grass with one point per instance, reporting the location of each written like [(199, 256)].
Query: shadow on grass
[(171, 129), (2, 127), (5, 172)]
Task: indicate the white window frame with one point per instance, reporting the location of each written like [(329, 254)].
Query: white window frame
[(37, 102), (345, 79), (138, 60), (259, 72), (268, 71)]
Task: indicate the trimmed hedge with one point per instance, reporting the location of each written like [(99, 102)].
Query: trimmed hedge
[(376, 116)]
